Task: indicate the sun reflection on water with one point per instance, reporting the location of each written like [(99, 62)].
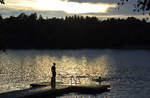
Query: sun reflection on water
[(99, 66), (19, 69)]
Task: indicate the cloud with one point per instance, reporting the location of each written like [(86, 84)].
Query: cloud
[(15, 7), (102, 1), (6, 12), (58, 5), (94, 1)]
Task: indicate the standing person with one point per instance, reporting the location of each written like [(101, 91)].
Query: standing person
[(53, 78), (53, 69)]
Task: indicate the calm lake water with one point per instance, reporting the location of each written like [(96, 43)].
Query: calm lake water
[(126, 71)]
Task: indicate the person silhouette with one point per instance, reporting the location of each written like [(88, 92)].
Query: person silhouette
[(53, 78), (53, 69)]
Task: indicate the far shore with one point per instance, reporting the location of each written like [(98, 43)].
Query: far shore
[(124, 47)]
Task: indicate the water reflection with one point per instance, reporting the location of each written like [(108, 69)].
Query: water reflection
[(25, 67), (73, 95), (127, 71)]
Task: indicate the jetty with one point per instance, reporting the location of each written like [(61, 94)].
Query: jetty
[(43, 90)]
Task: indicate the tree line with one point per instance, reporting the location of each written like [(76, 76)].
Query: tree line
[(72, 32)]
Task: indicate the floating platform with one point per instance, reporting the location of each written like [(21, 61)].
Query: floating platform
[(42, 84), (43, 90)]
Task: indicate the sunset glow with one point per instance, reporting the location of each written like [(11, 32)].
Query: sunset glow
[(58, 5)]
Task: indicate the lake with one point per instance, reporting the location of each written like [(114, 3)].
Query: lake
[(126, 71)]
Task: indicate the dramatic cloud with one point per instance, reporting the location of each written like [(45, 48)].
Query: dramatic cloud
[(59, 5), (6, 12), (62, 8), (94, 1)]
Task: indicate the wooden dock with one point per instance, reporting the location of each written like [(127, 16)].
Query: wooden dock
[(43, 90)]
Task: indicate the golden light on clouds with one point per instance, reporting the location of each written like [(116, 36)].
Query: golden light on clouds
[(59, 5)]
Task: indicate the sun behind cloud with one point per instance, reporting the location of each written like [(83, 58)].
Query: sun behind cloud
[(72, 7), (59, 5)]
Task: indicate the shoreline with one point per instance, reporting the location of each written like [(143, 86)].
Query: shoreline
[(78, 48)]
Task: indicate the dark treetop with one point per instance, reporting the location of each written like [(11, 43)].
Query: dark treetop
[(32, 32)]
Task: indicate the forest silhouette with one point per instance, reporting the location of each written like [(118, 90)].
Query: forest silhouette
[(72, 32)]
